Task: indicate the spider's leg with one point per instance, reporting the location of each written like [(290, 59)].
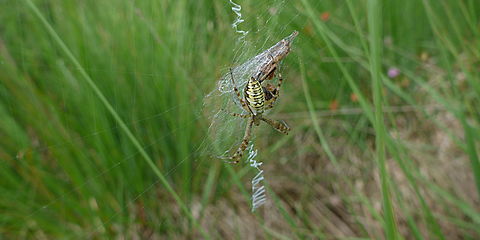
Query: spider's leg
[(244, 105), (271, 56), (246, 139), (268, 71), (272, 68), (278, 125), (271, 74), (279, 84), (236, 114)]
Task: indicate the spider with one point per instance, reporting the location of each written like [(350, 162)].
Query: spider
[(256, 100)]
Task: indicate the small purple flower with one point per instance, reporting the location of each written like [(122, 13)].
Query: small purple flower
[(393, 72)]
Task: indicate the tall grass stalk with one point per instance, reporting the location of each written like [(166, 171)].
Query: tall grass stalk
[(313, 116), (376, 43)]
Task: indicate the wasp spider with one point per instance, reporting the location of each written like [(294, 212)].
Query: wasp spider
[(256, 99)]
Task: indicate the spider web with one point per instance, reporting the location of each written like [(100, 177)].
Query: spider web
[(224, 99), (226, 132)]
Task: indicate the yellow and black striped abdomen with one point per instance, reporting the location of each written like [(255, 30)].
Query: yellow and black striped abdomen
[(255, 96)]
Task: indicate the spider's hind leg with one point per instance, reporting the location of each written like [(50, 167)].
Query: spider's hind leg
[(236, 114), (278, 125), (246, 139)]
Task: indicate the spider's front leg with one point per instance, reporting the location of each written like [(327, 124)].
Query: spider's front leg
[(268, 72), (278, 125), (277, 92), (242, 102), (246, 139)]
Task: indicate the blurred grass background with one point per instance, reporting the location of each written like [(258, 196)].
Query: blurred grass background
[(70, 169)]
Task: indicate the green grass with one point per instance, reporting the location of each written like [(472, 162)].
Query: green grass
[(115, 115), (104, 127), (374, 9)]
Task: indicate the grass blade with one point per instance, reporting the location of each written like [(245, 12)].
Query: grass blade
[(375, 31)]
